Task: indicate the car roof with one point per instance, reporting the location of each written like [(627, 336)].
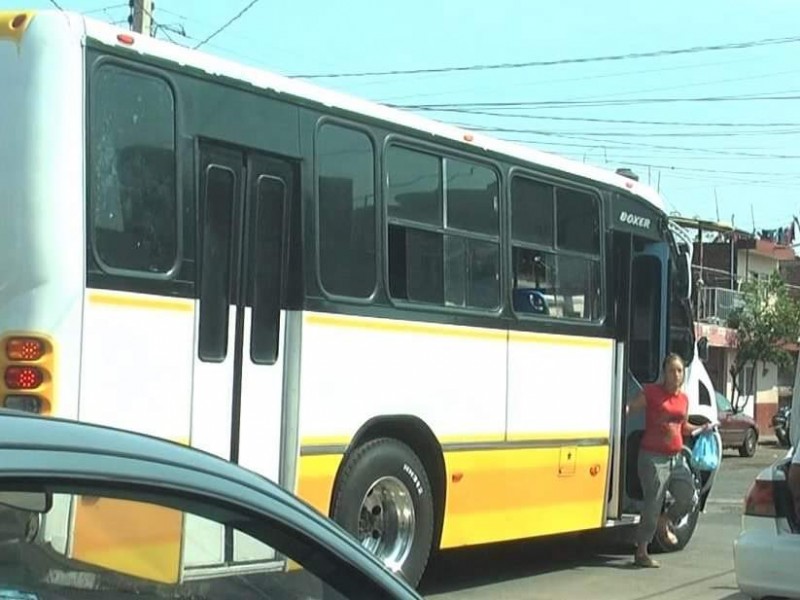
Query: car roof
[(26, 431)]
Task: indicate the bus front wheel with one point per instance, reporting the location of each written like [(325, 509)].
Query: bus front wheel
[(383, 498), (683, 530)]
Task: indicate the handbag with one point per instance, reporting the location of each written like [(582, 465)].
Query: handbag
[(706, 452)]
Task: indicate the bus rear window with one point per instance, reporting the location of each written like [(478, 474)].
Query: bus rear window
[(132, 172)]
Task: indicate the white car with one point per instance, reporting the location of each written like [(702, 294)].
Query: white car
[(766, 554)]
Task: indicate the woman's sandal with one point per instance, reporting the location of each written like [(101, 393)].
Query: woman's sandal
[(645, 562)]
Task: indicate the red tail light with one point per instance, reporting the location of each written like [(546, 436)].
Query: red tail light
[(23, 378), (760, 500), (24, 349)]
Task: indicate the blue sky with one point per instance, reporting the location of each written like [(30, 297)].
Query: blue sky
[(737, 158)]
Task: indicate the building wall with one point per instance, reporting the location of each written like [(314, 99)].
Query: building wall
[(764, 403), (715, 256), (749, 262)]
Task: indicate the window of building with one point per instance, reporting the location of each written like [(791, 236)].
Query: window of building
[(443, 230), (346, 209), (132, 173)]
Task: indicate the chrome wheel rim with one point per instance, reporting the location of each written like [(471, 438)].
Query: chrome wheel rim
[(386, 522)]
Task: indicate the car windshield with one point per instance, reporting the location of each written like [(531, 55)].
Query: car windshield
[(90, 546), (723, 404)]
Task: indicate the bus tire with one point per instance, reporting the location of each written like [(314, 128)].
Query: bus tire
[(383, 498)]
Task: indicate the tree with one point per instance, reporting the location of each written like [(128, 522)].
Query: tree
[(765, 324)]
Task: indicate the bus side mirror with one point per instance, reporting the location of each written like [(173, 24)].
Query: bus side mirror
[(702, 349)]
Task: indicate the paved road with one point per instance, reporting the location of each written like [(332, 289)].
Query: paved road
[(570, 568)]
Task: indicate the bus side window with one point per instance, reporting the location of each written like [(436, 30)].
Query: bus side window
[(556, 251), (443, 230), (346, 211), (133, 182)]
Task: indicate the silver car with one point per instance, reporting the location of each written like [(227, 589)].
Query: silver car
[(87, 511)]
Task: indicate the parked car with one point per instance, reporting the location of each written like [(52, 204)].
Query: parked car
[(86, 509), (736, 429), (767, 551)]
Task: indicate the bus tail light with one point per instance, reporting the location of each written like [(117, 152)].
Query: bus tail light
[(760, 500), (27, 361), (23, 378), (31, 404), (24, 349)]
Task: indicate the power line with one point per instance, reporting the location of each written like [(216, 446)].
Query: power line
[(227, 24), (56, 4), (551, 82), (566, 61), (631, 134), (689, 85), (105, 9), (618, 121), (610, 144), (722, 171), (596, 103)]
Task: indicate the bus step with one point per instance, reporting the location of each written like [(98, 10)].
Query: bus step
[(624, 520)]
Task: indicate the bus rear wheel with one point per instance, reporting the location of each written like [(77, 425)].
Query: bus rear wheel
[(383, 498)]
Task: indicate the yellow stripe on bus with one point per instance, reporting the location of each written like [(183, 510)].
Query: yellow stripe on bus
[(390, 325), (333, 442), (560, 340), (145, 302), (561, 436)]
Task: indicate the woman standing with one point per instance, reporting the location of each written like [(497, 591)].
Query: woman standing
[(661, 465)]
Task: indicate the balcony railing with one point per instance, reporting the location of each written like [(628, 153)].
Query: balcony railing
[(715, 304)]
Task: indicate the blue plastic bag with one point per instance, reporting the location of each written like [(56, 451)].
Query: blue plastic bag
[(705, 452)]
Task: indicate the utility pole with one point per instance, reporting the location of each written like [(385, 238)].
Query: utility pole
[(142, 15)]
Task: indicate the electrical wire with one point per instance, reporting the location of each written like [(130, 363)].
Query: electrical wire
[(105, 9), (619, 121), (227, 24), (631, 134), (597, 103), (565, 61)]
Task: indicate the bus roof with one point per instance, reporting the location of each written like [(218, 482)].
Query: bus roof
[(109, 34)]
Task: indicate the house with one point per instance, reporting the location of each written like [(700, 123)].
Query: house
[(724, 257)]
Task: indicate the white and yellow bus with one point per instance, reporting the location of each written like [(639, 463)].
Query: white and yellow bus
[(427, 334)]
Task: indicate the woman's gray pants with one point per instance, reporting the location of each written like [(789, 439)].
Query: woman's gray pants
[(659, 473)]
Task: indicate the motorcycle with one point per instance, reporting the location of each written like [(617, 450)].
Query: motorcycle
[(780, 423)]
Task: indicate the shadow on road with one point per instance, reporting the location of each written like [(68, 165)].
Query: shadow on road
[(456, 570)]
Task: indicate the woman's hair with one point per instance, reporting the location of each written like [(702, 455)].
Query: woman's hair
[(672, 357)]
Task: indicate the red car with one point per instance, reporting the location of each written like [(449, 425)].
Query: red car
[(736, 429)]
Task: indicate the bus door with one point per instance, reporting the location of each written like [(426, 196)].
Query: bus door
[(237, 400), (646, 344)]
